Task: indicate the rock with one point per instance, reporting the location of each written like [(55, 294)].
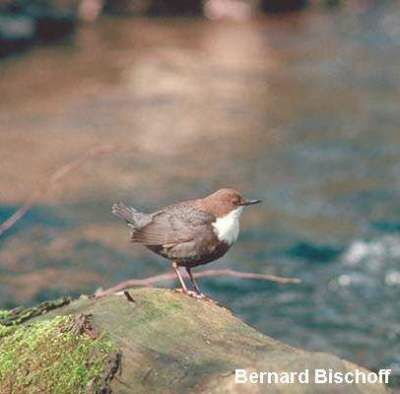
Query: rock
[(275, 6), (176, 7), (127, 7), (52, 24), (161, 342), (24, 23), (16, 33), (155, 7)]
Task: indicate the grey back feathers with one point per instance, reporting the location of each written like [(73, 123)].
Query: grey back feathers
[(170, 226)]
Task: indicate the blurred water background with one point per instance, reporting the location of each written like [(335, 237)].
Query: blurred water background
[(300, 110)]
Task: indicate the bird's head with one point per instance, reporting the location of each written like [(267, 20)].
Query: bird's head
[(225, 201)]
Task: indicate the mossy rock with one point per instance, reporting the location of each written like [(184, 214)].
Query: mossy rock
[(162, 342)]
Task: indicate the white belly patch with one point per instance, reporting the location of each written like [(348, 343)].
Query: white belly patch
[(227, 227)]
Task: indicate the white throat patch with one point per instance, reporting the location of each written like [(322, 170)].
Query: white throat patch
[(227, 227)]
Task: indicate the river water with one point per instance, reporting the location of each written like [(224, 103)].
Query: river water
[(301, 111)]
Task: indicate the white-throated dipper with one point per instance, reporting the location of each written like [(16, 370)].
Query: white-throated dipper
[(189, 233)]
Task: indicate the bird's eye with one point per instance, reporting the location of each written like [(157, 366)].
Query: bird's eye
[(236, 201)]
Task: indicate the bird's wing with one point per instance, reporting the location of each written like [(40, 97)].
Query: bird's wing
[(173, 225)]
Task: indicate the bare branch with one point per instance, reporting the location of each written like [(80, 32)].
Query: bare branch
[(55, 178), (152, 280)]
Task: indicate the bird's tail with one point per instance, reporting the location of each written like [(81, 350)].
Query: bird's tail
[(126, 213), (134, 218)]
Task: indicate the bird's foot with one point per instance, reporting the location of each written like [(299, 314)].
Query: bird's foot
[(193, 294), (198, 296)]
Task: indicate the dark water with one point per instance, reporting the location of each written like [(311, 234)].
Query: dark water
[(301, 111)]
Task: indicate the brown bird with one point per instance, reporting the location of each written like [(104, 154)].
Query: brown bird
[(189, 233)]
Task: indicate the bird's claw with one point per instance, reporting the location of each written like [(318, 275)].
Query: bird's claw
[(199, 296), (193, 294)]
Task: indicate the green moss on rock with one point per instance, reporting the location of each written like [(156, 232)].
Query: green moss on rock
[(49, 356), (4, 314), (4, 330), (21, 314)]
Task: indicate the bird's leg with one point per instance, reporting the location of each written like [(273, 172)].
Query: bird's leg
[(194, 283), (178, 274)]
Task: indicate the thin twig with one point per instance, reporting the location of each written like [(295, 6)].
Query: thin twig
[(55, 178), (152, 280)]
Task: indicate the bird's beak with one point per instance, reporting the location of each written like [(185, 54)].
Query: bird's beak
[(250, 202)]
